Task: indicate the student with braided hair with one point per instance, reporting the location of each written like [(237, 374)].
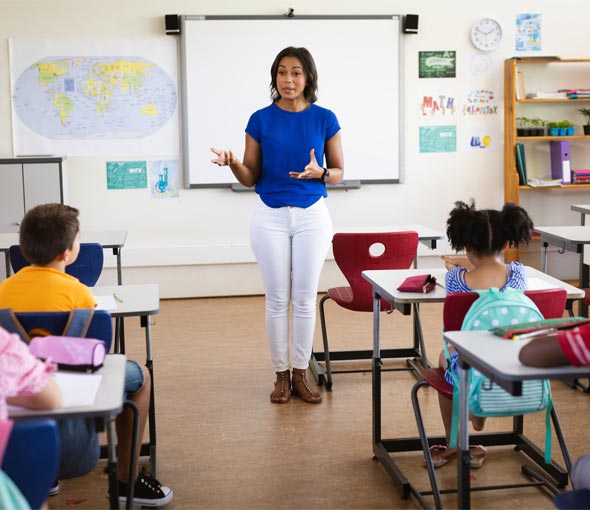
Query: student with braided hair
[(484, 234)]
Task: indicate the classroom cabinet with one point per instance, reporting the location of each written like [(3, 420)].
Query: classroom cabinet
[(544, 76), (27, 182)]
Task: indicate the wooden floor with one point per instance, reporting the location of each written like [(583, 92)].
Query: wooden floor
[(223, 445)]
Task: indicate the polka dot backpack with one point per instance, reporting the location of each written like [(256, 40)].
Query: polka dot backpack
[(496, 308)]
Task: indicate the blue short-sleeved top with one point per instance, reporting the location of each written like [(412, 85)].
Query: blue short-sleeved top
[(286, 139), (515, 278)]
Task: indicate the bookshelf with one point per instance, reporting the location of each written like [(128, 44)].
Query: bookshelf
[(522, 75)]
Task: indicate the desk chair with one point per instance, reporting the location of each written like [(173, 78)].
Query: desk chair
[(32, 458), (87, 267), (573, 500), (551, 304), (354, 253)]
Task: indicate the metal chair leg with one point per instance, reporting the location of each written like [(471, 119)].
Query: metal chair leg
[(325, 341), (424, 440)]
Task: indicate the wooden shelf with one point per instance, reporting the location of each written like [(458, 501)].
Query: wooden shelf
[(512, 68)]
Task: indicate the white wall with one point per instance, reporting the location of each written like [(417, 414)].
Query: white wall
[(198, 245)]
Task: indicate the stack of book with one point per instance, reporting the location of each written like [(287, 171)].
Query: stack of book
[(576, 93), (580, 176)]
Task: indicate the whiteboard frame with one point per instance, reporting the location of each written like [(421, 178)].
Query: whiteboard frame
[(187, 184)]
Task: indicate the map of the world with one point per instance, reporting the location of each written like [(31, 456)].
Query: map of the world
[(94, 97)]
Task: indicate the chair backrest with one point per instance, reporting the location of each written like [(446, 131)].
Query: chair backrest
[(32, 458), (363, 251), (87, 267), (54, 323), (550, 302)]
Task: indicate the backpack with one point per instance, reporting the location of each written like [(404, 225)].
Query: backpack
[(492, 309)]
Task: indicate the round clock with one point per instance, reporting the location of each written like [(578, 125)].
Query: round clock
[(486, 34)]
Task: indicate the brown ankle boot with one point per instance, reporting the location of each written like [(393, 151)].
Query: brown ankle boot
[(282, 391), (301, 387)]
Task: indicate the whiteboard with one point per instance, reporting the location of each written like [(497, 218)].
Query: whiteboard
[(225, 66)]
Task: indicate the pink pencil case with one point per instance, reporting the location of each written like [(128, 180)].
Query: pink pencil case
[(70, 353)]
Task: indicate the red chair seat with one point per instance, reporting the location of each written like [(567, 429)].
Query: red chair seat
[(435, 377), (344, 297)]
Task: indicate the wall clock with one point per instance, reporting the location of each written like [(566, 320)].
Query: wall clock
[(486, 34)]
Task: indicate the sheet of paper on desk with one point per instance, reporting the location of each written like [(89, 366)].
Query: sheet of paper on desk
[(539, 284), (105, 302), (78, 389)]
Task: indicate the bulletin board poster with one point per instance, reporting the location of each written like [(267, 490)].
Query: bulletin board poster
[(437, 64), (90, 97), (528, 32), (126, 175), (438, 139), (164, 179)]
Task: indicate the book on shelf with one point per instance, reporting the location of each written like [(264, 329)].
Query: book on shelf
[(520, 85), (580, 176), (540, 183), (547, 95), (521, 164)]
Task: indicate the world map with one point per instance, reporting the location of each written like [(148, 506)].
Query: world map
[(94, 97)]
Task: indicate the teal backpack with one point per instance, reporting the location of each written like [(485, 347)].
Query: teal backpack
[(492, 309)]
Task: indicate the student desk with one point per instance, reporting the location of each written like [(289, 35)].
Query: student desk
[(114, 239), (570, 238), (427, 237), (108, 404), (497, 359), (384, 284), (583, 209), (139, 301)]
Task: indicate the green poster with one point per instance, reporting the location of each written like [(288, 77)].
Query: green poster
[(437, 64), (438, 138), (126, 174)]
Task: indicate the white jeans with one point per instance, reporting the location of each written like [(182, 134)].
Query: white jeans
[(290, 245)]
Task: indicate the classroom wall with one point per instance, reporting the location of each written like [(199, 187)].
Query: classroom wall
[(197, 245)]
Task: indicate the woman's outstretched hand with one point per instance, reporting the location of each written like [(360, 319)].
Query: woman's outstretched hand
[(311, 171), (224, 158)]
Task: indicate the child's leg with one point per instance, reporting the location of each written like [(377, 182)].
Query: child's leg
[(139, 378)]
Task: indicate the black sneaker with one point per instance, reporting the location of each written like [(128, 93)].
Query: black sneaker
[(54, 491), (147, 492)]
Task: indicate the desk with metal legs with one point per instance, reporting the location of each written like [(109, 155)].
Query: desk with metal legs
[(428, 238), (139, 301), (498, 359), (108, 404), (385, 284)]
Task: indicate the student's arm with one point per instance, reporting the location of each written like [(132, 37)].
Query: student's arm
[(453, 261), (248, 172), (543, 351), (48, 398)]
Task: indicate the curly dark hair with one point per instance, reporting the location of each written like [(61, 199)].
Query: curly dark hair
[(308, 64), (486, 231), (46, 231)]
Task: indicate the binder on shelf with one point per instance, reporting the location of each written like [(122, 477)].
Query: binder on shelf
[(560, 161), (521, 164), (520, 85)]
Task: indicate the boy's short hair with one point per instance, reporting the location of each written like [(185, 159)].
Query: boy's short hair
[(46, 231)]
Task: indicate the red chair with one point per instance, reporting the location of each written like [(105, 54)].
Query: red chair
[(551, 304), (355, 253)]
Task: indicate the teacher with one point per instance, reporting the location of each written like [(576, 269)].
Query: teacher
[(291, 228)]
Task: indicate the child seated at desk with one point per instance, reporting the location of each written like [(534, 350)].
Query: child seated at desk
[(484, 235), (569, 346), (50, 239), (24, 381)]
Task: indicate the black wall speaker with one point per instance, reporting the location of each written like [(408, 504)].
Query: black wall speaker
[(411, 24), (172, 24)]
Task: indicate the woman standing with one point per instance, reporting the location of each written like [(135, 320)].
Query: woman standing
[(291, 229)]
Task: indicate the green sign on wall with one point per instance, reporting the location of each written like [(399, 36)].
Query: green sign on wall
[(126, 174), (437, 64), (438, 138)]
